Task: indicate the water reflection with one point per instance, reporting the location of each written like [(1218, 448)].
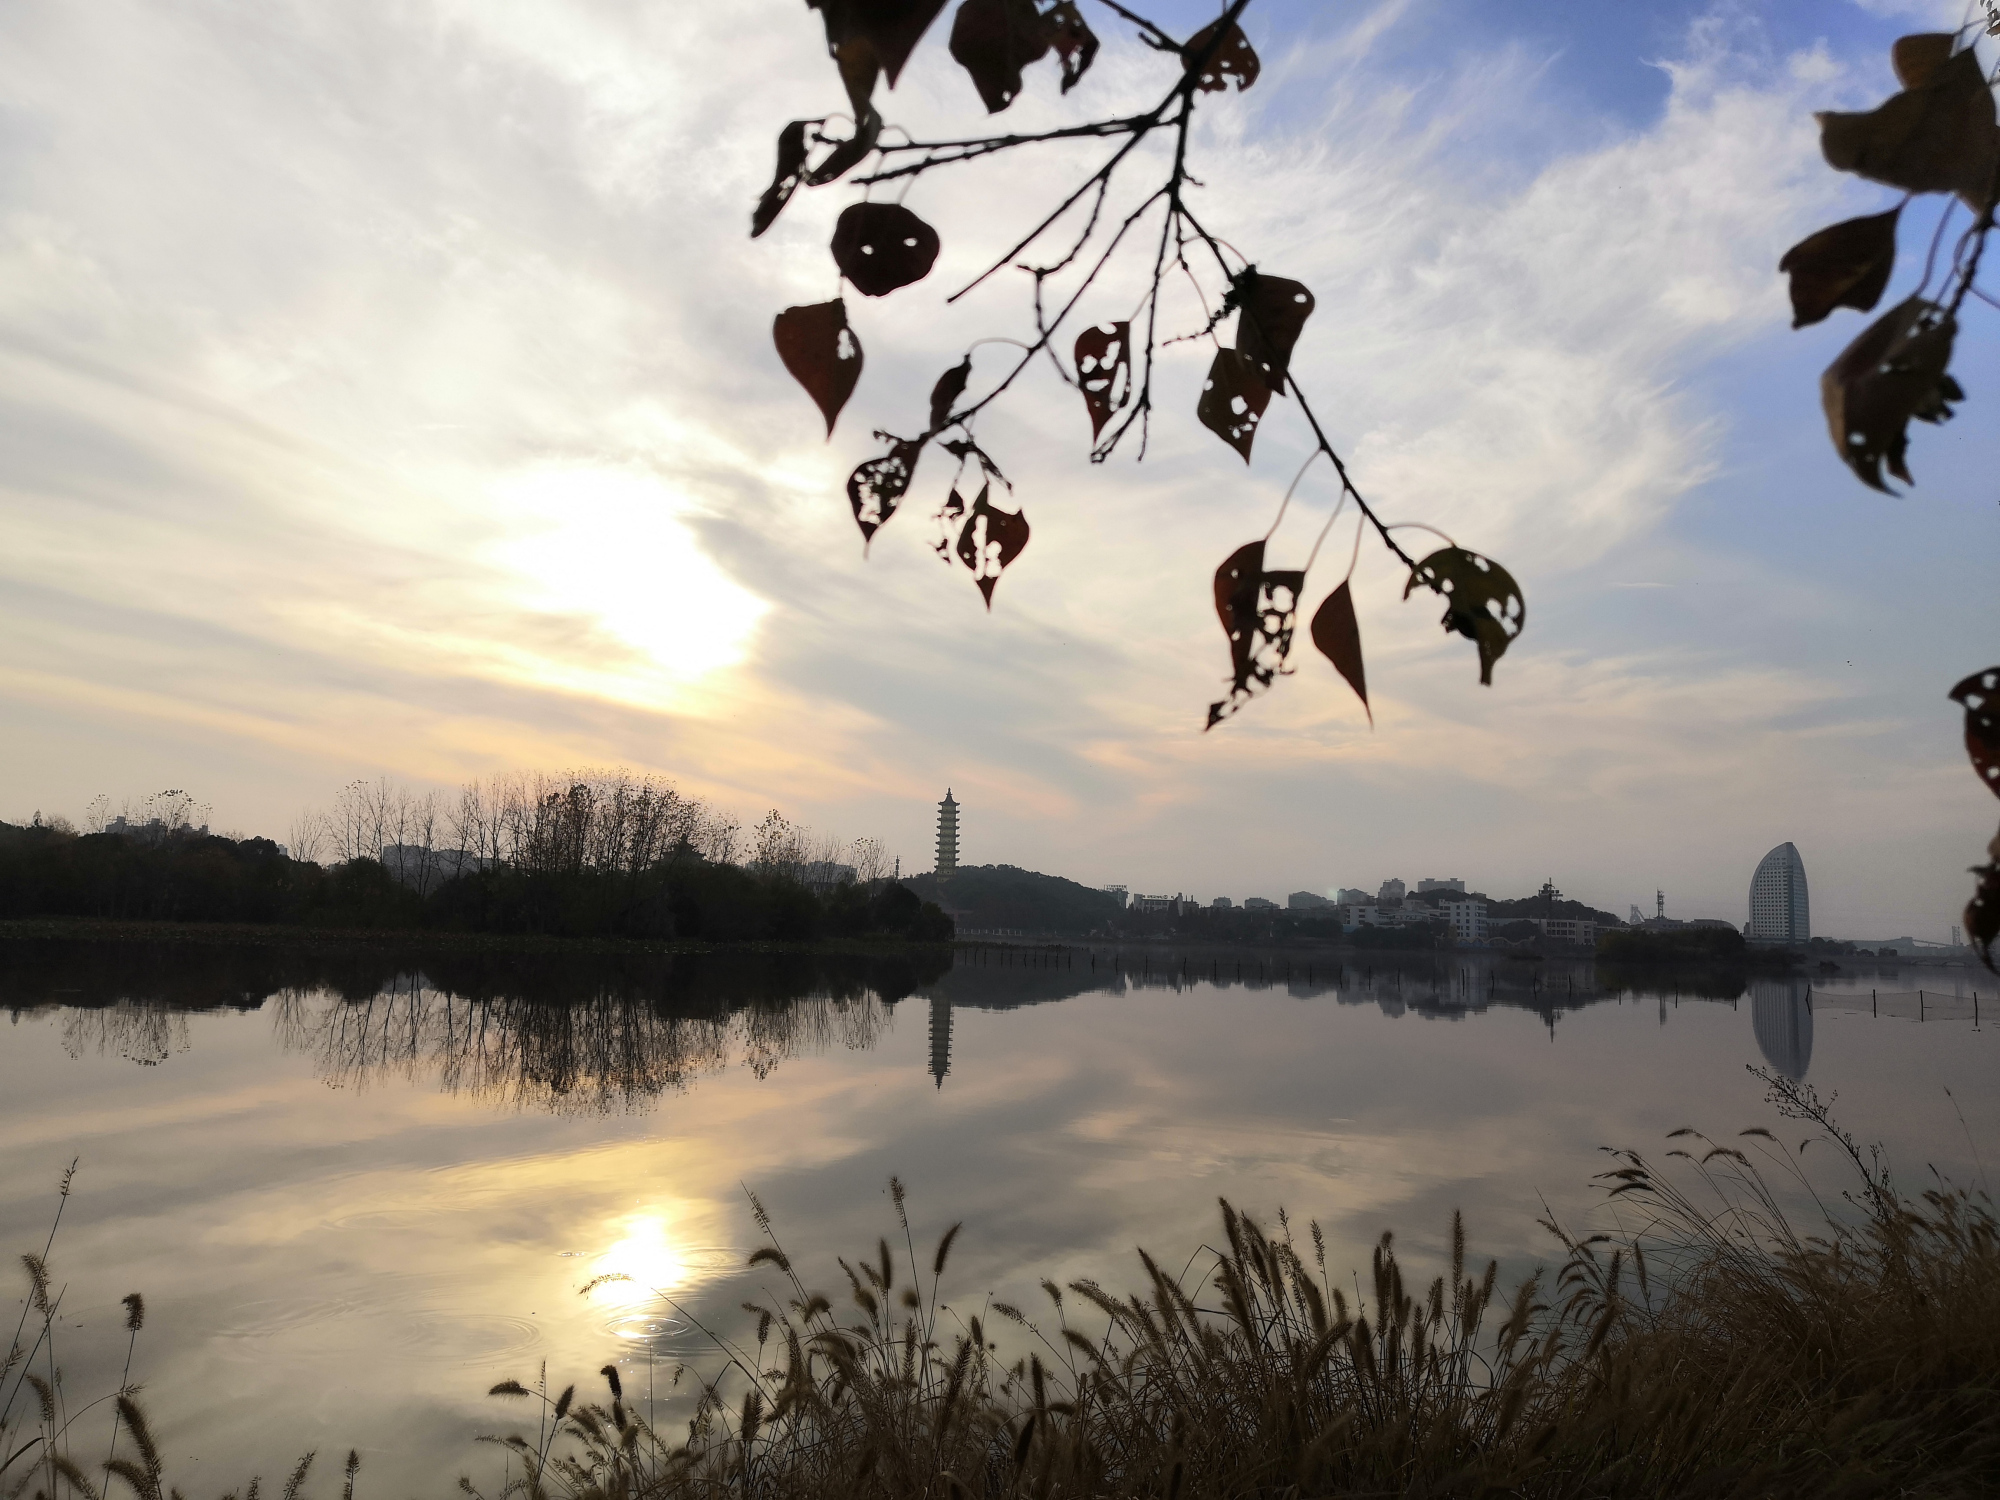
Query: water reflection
[(1781, 1015)]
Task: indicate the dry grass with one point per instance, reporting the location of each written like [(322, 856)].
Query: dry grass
[(1704, 1347)]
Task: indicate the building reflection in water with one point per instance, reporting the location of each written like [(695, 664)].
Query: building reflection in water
[(1781, 1016)]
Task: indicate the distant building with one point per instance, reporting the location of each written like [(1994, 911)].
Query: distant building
[(1779, 911), (1162, 905), (824, 874), (1306, 901), (1392, 891), (1223, 903), (1467, 918), (1581, 931), (947, 836), (1355, 914), (1258, 903), (1453, 884), (1119, 892), (1349, 897)]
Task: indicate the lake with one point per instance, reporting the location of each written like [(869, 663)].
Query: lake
[(359, 1186)]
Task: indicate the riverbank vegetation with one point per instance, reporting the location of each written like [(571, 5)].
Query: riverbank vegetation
[(1702, 1346)]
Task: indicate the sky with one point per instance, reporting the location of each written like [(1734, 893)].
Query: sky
[(387, 390)]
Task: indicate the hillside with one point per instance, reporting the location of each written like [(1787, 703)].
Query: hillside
[(1008, 897)]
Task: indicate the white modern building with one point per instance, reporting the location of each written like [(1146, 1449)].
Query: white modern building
[(1432, 883), (1467, 918), (1779, 910)]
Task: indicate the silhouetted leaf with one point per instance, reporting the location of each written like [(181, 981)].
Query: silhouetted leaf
[(1482, 601), (882, 246), (889, 29), (1844, 265), (1338, 635), (948, 519), (1259, 611), (1075, 42), (1982, 912), (791, 171), (1234, 60), (1233, 400), (822, 353), (1938, 136), (876, 488), (1274, 311), (849, 153), (1894, 371), (963, 449), (1979, 694), (990, 540), (993, 40), (1104, 371), (950, 386)]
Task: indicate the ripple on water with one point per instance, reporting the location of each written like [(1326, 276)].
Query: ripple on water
[(275, 1315), (467, 1337)]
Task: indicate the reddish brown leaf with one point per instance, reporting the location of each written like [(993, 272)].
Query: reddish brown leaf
[(1916, 59), (1982, 912), (876, 488), (791, 170), (889, 28), (1482, 601), (1259, 612), (990, 540), (1979, 695), (882, 246), (993, 40), (950, 386), (1075, 42), (1894, 371), (1844, 265), (1233, 400), (1274, 312), (1104, 371), (822, 353), (1938, 136), (1234, 59), (1338, 635)]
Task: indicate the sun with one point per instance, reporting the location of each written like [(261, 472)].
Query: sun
[(649, 1260)]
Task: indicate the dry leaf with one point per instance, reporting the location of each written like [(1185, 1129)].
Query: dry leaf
[(1982, 912), (1234, 60), (791, 171), (850, 152), (1233, 400), (1104, 371), (1274, 311), (950, 386), (1074, 41), (1938, 136), (876, 488), (1482, 601), (990, 540), (1844, 265), (822, 353), (1894, 371), (1338, 635), (993, 40), (882, 246), (1259, 612), (889, 29), (1979, 694)]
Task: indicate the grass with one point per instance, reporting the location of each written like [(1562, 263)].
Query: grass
[(1704, 1346)]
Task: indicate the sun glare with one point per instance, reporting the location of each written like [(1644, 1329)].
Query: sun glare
[(611, 545), (648, 1256)]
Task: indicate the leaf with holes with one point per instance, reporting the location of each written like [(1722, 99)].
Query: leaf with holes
[(1074, 41), (875, 489), (1338, 635), (822, 353), (1259, 613), (990, 540), (949, 518), (1104, 371), (1938, 136), (1979, 695), (1482, 601), (1982, 912), (950, 386), (1274, 312), (1233, 60), (849, 152), (1844, 265), (993, 40), (1233, 400), (1894, 371), (887, 29), (882, 246), (791, 172)]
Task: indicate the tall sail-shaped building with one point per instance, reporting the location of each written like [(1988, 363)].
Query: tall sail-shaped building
[(1779, 910), (947, 838)]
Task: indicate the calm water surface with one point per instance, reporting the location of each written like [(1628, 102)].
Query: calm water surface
[(359, 1188)]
